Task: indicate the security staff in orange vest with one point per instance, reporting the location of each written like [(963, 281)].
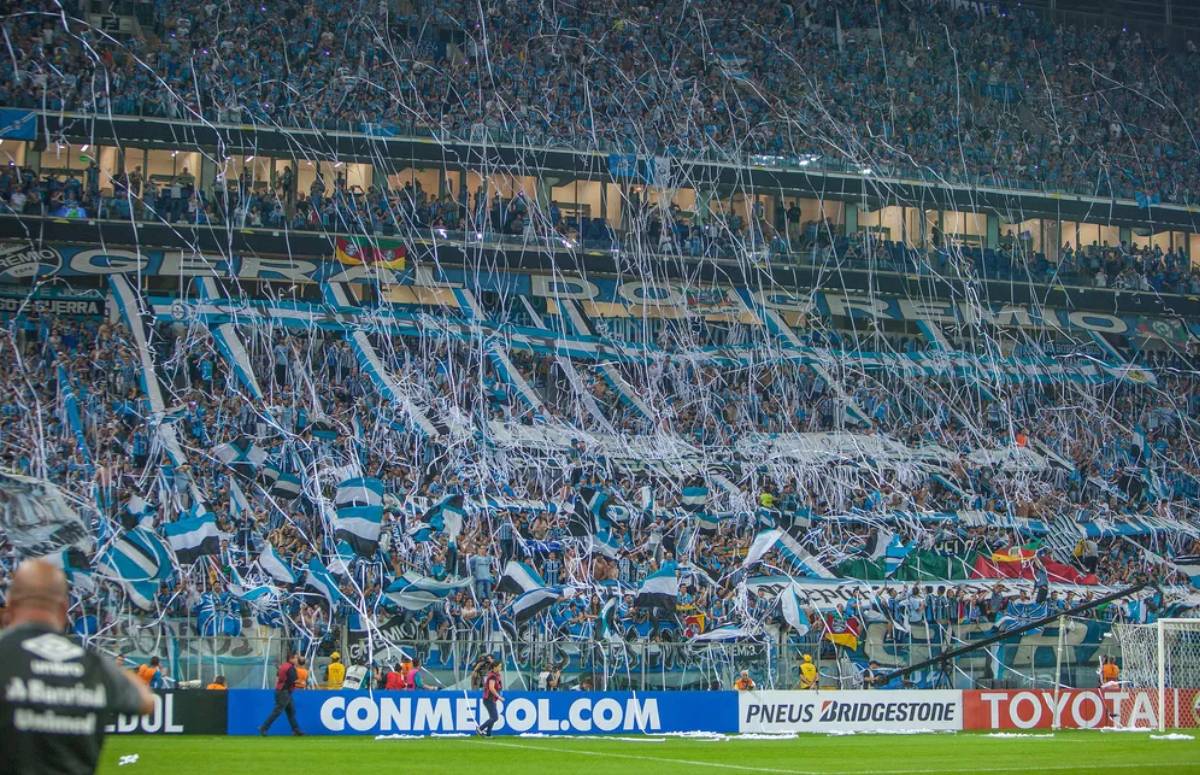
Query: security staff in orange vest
[(218, 684), (301, 674), (151, 674), (1109, 671)]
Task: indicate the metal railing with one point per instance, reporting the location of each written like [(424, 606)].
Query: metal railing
[(1068, 656)]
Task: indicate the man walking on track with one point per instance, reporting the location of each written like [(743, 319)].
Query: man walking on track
[(285, 684), (491, 695)]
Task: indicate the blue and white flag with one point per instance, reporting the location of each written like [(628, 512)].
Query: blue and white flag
[(802, 562), (762, 543), (359, 526), (243, 457), (359, 491), (216, 615), (727, 632), (285, 487), (693, 498), (136, 555), (877, 543), (138, 512), (895, 554), (446, 517), (193, 538), (273, 565), (256, 595), (519, 577), (793, 610), (1189, 565), (887, 546), (238, 502), (590, 514), (606, 624), (413, 592), (602, 543), (141, 593), (707, 522), (533, 603), (72, 560), (343, 559), (660, 589), (1018, 614), (320, 580)]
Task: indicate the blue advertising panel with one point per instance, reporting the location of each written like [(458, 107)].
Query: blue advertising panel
[(451, 712)]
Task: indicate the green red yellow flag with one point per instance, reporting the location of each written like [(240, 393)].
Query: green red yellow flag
[(358, 251)]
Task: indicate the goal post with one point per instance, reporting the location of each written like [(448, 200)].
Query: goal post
[(1163, 659)]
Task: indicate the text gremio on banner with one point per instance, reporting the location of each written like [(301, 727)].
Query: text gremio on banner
[(1072, 709), (852, 711)]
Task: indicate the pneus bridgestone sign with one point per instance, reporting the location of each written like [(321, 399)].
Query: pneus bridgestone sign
[(181, 712), (850, 711)]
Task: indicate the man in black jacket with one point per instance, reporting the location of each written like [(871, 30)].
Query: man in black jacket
[(58, 695)]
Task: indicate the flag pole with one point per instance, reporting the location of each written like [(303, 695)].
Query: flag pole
[(984, 643)]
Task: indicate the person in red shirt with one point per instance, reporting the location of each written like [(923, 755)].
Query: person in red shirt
[(285, 683), (491, 695), (395, 678)]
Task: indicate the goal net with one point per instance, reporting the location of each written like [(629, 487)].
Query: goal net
[(1159, 681)]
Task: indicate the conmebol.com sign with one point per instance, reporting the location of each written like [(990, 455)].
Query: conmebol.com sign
[(551, 713), (462, 714)]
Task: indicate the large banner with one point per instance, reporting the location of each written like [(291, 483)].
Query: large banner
[(851, 711), (241, 711), (451, 712), (1078, 708), (183, 712), (596, 297)]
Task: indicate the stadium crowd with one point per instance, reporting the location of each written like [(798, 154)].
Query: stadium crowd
[(382, 213), (919, 479), (1088, 110), (1126, 450)]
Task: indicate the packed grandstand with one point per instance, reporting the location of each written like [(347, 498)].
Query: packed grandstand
[(302, 390)]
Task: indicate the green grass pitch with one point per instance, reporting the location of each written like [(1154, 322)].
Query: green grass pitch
[(931, 754)]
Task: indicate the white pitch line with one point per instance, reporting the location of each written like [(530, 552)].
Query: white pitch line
[(747, 768), (666, 759)]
